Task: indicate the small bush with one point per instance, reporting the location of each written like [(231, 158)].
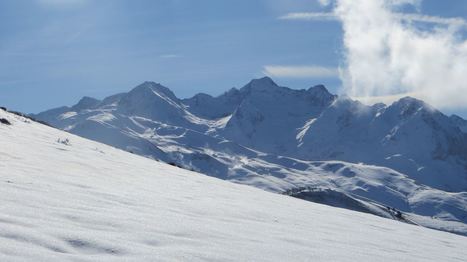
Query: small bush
[(4, 121), (175, 164), (29, 117), (65, 141)]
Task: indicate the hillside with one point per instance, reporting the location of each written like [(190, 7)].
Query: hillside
[(406, 156), (65, 197)]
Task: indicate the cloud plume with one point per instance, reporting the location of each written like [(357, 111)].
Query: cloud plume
[(387, 53)]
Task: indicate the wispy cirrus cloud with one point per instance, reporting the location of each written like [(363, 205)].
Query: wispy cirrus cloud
[(319, 16), (61, 3), (406, 17), (170, 56), (312, 71), (415, 17)]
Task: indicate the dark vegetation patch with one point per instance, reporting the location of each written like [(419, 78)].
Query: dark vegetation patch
[(5, 121), (175, 164), (25, 116)]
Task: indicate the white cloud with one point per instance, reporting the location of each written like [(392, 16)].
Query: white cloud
[(386, 53), (300, 71), (384, 56), (320, 16)]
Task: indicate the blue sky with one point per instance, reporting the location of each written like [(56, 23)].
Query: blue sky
[(53, 52)]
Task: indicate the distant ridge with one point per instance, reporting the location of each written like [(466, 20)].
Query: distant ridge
[(278, 139)]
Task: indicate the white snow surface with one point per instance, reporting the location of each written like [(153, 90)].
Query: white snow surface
[(86, 201), (270, 137)]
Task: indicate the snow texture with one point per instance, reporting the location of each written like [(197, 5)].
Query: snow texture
[(85, 201), (279, 139)]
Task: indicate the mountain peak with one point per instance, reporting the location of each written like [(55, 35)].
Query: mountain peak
[(203, 96), (150, 87), (154, 101), (409, 106), (265, 79), (231, 91), (86, 103), (263, 82), (410, 102), (261, 85), (320, 92)]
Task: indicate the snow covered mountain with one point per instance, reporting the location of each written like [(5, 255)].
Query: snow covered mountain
[(303, 142), (68, 198), (269, 115)]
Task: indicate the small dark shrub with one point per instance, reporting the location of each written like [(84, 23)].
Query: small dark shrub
[(4, 121)]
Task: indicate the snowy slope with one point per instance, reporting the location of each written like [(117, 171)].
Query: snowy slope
[(227, 160), (408, 136), (84, 201), (268, 117), (414, 156), (209, 107)]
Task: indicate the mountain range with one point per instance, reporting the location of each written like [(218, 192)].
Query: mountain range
[(406, 157), (67, 198)]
